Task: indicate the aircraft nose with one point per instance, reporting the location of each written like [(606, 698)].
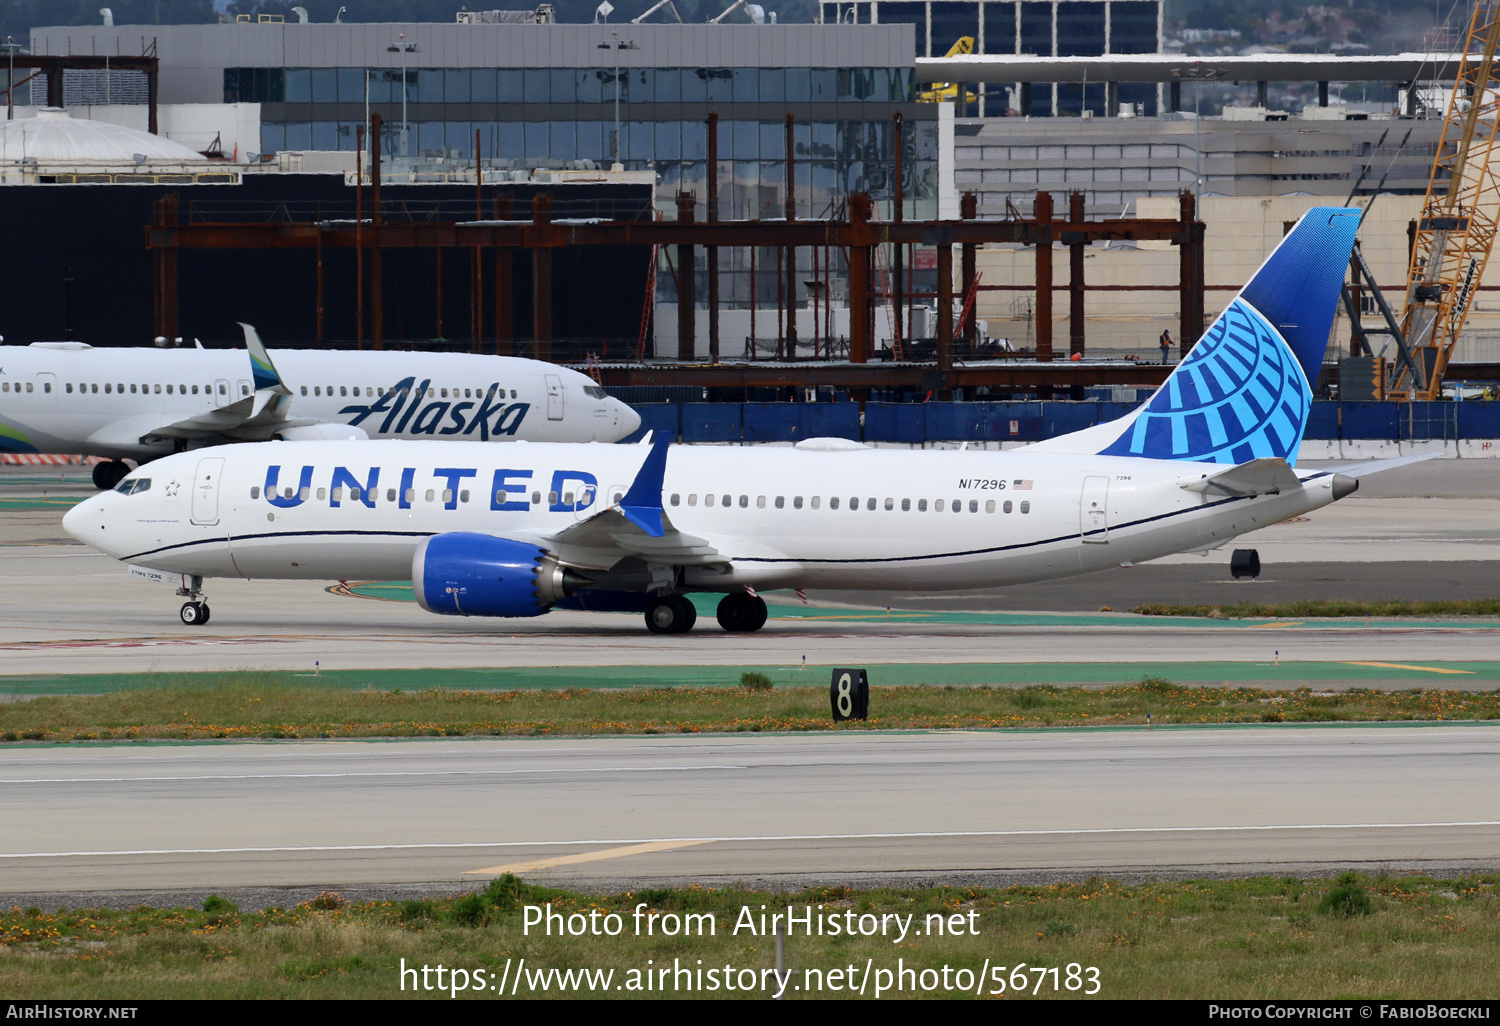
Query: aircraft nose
[(79, 521), (630, 421)]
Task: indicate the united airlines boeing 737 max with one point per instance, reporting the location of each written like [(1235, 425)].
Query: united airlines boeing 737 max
[(67, 397), (515, 531)]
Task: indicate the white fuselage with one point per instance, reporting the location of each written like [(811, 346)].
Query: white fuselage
[(102, 401), (899, 519)]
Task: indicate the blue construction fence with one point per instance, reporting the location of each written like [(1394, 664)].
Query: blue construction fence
[(1027, 421)]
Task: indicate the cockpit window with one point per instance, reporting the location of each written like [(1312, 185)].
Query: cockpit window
[(595, 392), (133, 486)]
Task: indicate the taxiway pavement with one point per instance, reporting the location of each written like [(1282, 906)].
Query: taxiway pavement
[(714, 809)]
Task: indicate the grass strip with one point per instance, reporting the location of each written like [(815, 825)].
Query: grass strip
[(1329, 608), (1383, 936), (1288, 673), (264, 705)]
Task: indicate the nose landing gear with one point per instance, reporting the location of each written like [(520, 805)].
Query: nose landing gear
[(194, 611), (194, 614)]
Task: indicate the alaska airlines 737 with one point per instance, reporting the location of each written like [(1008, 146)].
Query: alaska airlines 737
[(68, 397), (515, 531)]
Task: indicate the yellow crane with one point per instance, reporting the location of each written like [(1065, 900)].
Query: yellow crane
[(1457, 226), (944, 92)]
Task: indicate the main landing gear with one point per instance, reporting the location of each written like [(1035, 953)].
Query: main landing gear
[(742, 613), (671, 614), (194, 611), (109, 474), (739, 612)]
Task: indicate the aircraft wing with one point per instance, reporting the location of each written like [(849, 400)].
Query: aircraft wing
[(263, 414), (213, 422), (608, 536), (637, 526)]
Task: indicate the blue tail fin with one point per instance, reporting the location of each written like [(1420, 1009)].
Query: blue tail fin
[(1244, 391)]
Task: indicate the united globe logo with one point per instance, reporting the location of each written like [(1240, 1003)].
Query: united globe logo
[(1240, 395)]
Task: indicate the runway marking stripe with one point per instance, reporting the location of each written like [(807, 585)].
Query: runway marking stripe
[(370, 773), (1405, 666), (588, 856), (915, 835)]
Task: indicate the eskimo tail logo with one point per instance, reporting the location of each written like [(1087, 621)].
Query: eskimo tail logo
[(262, 373), (1240, 395), (12, 440), (405, 412)]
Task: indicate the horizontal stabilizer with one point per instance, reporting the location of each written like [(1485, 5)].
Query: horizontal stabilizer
[(1364, 468), (1269, 476)]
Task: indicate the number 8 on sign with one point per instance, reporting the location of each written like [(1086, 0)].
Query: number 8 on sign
[(849, 695)]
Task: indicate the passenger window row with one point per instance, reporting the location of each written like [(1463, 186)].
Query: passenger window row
[(710, 499), (357, 494), (834, 502), (372, 392), (429, 495), (112, 388)]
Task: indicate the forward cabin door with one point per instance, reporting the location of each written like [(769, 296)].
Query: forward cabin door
[(206, 490), (554, 397), (1093, 516)]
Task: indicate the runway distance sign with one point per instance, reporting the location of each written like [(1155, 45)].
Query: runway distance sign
[(849, 695)]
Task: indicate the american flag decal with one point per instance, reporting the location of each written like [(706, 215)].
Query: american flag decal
[(1021, 486)]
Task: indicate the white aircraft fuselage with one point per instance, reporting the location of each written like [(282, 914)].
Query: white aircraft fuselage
[(518, 530), (773, 517), (145, 402)]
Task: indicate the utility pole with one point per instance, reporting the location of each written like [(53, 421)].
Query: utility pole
[(617, 44), (403, 48)]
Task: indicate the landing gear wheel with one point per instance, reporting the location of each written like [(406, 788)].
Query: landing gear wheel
[(194, 614), (109, 474), (742, 613), (671, 614)]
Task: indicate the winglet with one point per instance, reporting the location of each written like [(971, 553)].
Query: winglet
[(262, 370), (641, 505)]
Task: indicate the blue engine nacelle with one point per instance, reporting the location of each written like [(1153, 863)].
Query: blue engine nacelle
[(467, 574)]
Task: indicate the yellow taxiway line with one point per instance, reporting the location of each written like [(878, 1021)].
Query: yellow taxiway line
[(588, 856)]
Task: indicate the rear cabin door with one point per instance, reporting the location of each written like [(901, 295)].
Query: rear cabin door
[(1093, 516), (554, 397), (206, 490)]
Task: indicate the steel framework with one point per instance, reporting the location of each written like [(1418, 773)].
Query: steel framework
[(1456, 230)]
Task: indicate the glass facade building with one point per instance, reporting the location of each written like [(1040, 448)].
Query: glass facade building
[(1043, 28), (545, 96), (843, 139)]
